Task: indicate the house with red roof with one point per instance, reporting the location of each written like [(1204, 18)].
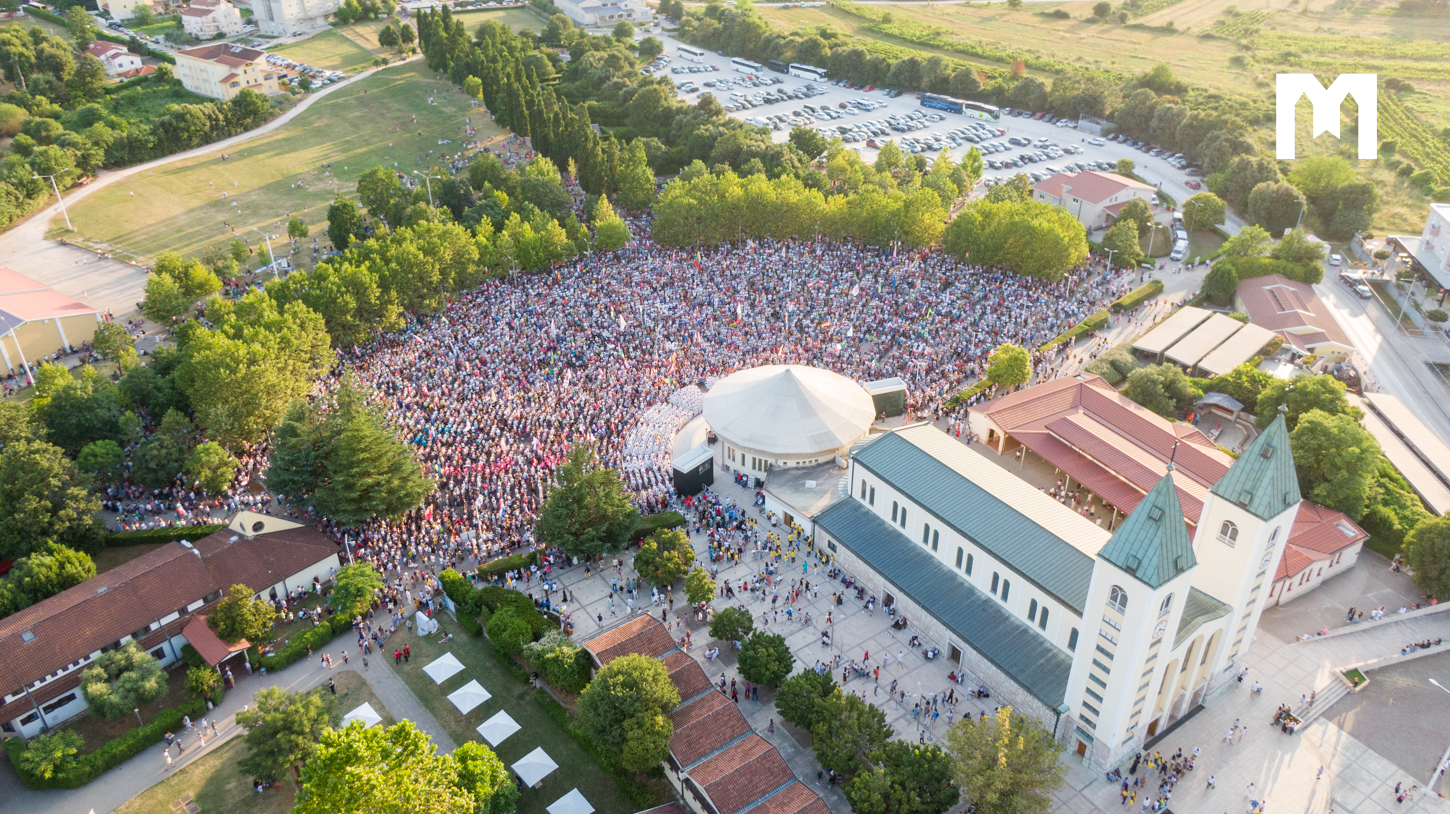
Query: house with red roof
[(222, 70), (1292, 310), (1094, 198), (114, 58)]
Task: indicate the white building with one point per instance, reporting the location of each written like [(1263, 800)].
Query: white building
[(115, 58), (206, 19), (1094, 198), (282, 18), (1060, 618), (121, 9), (1431, 248), (606, 12)]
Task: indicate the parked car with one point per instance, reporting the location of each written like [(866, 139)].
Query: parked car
[(1192, 184), (1336, 260), (1363, 292)]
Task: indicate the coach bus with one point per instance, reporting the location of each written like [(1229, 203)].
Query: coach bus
[(777, 66), (807, 72), (978, 110), (947, 103), (746, 66), (691, 53)]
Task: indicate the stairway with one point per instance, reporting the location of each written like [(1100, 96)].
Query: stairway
[(1324, 698)]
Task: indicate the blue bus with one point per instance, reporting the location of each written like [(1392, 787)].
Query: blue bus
[(947, 103)]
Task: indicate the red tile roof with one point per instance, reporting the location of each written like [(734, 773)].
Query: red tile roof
[(704, 726), (645, 634), (742, 774), (797, 798), (233, 56), (687, 674), (100, 48), (1292, 309), (1093, 187), (1317, 535), (207, 643)]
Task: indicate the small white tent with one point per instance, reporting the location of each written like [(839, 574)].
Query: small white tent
[(571, 803), (364, 713), (469, 696), (535, 766), (497, 729), (443, 667)]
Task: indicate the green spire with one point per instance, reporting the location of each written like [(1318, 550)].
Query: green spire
[(1153, 544), (1263, 481)]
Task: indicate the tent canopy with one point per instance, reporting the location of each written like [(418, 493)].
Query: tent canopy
[(535, 766), (789, 409), (497, 729), (469, 696), (571, 803), (364, 713), (443, 667)]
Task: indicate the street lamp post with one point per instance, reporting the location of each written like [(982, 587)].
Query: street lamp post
[(56, 187), (1110, 259), (1302, 206), (271, 258), (428, 182)]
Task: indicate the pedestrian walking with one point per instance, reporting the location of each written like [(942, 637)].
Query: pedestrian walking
[(331, 687)]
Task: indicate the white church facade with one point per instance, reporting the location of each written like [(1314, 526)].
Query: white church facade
[(1106, 637)]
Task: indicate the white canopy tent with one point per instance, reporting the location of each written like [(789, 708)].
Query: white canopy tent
[(426, 626), (497, 729), (469, 696), (364, 713), (535, 766), (789, 409), (571, 803), (443, 667)]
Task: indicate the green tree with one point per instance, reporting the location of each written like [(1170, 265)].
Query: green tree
[(377, 189), (809, 141), (353, 589), (698, 586), (102, 460), (624, 710), (238, 249), (1102, 9), (114, 343), (650, 47), (203, 682), (1009, 365), (1203, 210), (799, 698), (1276, 206), (1221, 284), (610, 230), (165, 300), (284, 730), (1006, 764), (907, 778), (368, 471), (1164, 389), (623, 30), (765, 659), (195, 279), (1300, 395), (296, 229), (1122, 240), (665, 556), (388, 37), (732, 624), (16, 423), (1126, 166), (79, 409), (211, 467), (42, 499), (82, 26), (1251, 241), (159, 459), (1137, 210), (361, 770), (846, 730), (587, 512), (240, 616), (406, 34), (50, 754), (1427, 552), (49, 570), (636, 181), (1026, 237), (1298, 247), (122, 680), (509, 632), (483, 775), (1336, 460), (344, 223)]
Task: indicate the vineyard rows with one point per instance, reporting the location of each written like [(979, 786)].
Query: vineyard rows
[(1417, 142), (1147, 7), (1242, 25)]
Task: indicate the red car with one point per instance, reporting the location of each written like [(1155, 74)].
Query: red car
[(1192, 184), (1038, 116), (849, 86), (869, 88), (843, 105)]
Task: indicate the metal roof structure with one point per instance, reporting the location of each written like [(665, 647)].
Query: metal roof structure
[(1198, 610), (1012, 645), (1263, 481), (1431, 449), (1408, 459), (1171, 329), (1048, 544), (789, 409), (1152, 544), (1223, 400), (1244, 345), (1201, 341)]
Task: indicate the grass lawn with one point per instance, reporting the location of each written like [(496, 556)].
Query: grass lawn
[(328, 50), (1389, 305), (108, 558), (576, 768), (180, 207), (216, 785), (353, 691), (1202, 244), (97, 731), (514, 18)]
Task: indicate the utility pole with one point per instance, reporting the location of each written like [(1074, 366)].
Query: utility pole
[(271, 258), (426, 180), (56, 187)]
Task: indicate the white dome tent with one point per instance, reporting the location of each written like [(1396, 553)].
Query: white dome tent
[(785, 415)]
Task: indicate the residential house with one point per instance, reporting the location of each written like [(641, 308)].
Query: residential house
[(1431, 248), (222, 70), (1094, 198), (1292, 310), (207, 19), (282, 18), (606, 12), (114, 57)]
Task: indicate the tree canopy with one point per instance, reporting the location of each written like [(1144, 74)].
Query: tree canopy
[(1427, 552), (122, 680), (587, 511), (1336, 460), (1009, 365), (664, 557), (765, 658), (43, 500), (905, 778), (1300, 395), (732, 624), (372, 770), (283, 729), (240, 616), (353, 589), (1005, 764), (1164, 389), (1032, 238), (624, 710)]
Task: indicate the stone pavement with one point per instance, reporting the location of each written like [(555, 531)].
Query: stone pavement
[(109, 791)]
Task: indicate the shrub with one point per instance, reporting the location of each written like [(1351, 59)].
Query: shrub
[(765, 659), (1115, 365), (565, 665), (169, 534), (495, 598), (510, 563), (649, 524), (1135, 297), (297, 647), (508, 632), (191, 657)]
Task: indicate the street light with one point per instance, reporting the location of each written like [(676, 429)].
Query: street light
[(1302, 206), (271, 258), (56, 187), (425, 176)]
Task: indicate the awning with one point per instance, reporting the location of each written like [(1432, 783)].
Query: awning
[(207, 644)]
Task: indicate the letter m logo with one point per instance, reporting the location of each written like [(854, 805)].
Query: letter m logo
[(1326, 103)]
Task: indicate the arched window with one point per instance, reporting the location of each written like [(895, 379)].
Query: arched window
[(894, 507), (872, 500), (1072, 640), (996, 580), (1006, 588), (969, 565), (1118, 599), (1032, 611), (960, 553), (1273, 535), (935, 539), (863, 488), (1166, 606), (1228, 533), (1042, 620), (925, 533)]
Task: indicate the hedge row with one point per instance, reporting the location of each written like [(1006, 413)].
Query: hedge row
[(1092, 323), (636, 791), (169, 534), (649, 524), (298, 647), (475, 603), (523, 559), (116, 751), (1134, 298)]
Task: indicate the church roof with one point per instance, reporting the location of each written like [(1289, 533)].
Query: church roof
[(1152, 544), (1263, 481), (789, 409)]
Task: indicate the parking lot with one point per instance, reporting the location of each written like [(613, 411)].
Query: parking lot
[(1062, 148)]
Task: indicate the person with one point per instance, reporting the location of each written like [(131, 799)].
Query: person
[(331, 687)]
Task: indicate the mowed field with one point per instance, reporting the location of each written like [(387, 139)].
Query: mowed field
[(365, 33), (180, 207), (330, 51)]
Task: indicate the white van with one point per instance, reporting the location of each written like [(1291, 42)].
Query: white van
[(1180, 250)]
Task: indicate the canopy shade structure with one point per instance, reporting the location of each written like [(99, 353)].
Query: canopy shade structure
[(571, 803), (788, 409), (497, 729), (443, 667), (468, 696), (535, 766), (426, 626), (364, 713)]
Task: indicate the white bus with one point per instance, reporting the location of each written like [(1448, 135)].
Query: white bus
[(691, 53), (746, 66), (807, 72)]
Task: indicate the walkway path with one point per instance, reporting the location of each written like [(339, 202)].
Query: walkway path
[(109, 791)]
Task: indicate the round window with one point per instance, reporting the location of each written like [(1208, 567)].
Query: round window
[(258, 526)]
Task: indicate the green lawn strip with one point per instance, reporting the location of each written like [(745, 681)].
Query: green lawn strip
[(1387, 303), (576, 768), (328, 50), (353, 691), (215, 784), (179, 207)]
